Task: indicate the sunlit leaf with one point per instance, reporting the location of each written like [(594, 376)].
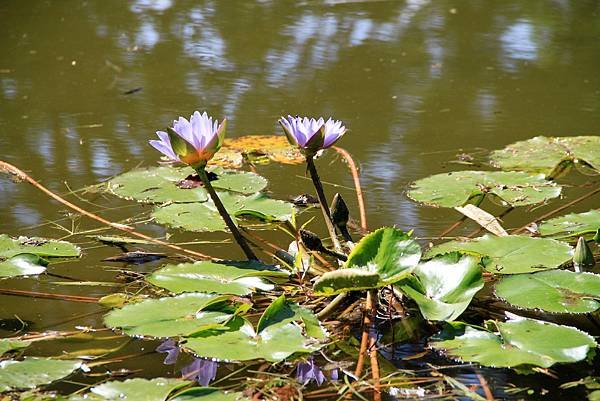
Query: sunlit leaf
[(24, 264), (237, 278), (380, 258), (457, 188), (163, 184), (33, 372), (511, 254), (518, 342), (573, 224), (157, 389), (549, 155), (443, 287), (168, 317), (559, 291), (10, 247)]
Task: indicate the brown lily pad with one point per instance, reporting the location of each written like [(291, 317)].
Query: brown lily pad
[(257, 149)]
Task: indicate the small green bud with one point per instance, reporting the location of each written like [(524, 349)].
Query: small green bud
[(583, 256)]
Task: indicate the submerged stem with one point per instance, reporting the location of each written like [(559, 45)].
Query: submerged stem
[(314, 175), (225, 215)]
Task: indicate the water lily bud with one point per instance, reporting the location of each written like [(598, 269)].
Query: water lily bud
[(340, 216), (583, 256), (192, 142), (311, 241)]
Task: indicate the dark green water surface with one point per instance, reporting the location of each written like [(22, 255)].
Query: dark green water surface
[(85, 84)]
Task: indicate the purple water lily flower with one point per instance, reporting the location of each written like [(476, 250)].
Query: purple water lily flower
[(307, 371), (202, 370), (192, 142), (312, 135), (169, 346)]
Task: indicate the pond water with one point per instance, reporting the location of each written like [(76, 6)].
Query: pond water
[(423, 86)]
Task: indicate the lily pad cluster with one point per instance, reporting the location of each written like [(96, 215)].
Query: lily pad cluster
[(25, 256), (182, 202)]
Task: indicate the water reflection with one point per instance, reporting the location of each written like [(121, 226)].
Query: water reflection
[(408, 78)]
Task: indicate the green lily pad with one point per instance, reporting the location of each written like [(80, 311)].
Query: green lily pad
[(444, 286), (204, 217), (511, 254), (7, 345), (168, 317), (549, 155), (559, 291), (23, 264), (208, 394), (157, 389), (457, 188), (33, 372), (10, 247), (573, 224), (383, 257), (236, 278), (519, 342), (276, 337), (160, 184)]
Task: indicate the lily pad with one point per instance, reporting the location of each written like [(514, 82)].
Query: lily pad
[(33, 372), (163, 184), (549, 155), (157, 389), (236, 278), (444, 286), (574, 224), (276, 337), (24, 264), (257, 149), (457, 188), (519, 342), (511, 254), (204, 217), (7, 345), (559, 291), (168, 317), (10, 247), (383, 257), (208, 394)]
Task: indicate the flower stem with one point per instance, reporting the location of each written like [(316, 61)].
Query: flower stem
[(323, 201), (225, 216)]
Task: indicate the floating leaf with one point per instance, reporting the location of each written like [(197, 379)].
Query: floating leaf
[(559, 291), (8, 344), (257, 148), (457, 188), (511, 254), (236, 278), (573, 224), (160, 184), (24, 264), (204, 217), (237, 341), (275, 338), (10, 247), (207, 394), (33, 372), (549, 155), (519, 342), (157, 389), (168, 317), (444, 286), (380, 258)]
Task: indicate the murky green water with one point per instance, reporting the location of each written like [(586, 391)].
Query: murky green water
[(84, 85)]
